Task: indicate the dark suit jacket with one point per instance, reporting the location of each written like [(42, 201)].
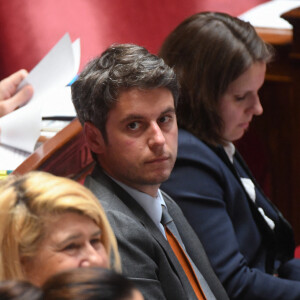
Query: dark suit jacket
[(242, 248), (146, 255)]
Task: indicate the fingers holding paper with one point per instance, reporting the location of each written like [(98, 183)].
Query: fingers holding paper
[(10, 99)]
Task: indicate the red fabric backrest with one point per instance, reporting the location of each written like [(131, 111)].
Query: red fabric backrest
[(29, 29)]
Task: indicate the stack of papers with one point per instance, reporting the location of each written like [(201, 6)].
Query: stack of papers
[(21, 129)]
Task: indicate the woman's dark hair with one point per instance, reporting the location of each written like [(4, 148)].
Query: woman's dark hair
[(19, 290), (88, 284), (208, 51)]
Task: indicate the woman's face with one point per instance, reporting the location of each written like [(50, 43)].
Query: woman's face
[(241, 102), (71, 241)]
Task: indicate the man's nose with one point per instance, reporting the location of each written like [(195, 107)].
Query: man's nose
[(156, 136)]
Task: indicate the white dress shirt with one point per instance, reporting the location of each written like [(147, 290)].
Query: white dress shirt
[(248, 185), (151, 205)]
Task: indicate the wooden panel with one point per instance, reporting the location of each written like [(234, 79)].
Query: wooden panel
[(275, 36), (66, 154), (278, 129)]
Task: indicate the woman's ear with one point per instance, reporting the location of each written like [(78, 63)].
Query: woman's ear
[(94, 137)]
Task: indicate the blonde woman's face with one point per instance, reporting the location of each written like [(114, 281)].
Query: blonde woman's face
[(71, 241)]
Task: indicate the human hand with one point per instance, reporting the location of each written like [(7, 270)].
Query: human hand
[(9, 99)]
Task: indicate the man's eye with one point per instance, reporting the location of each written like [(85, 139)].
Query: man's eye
[(164, 119), (134, 125)]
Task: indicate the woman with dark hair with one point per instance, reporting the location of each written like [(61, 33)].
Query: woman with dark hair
[(220, 62), (90, 284)]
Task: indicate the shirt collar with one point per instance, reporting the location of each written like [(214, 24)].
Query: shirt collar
[(151, 205), (230, 150)]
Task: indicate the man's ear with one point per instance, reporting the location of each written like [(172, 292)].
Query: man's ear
[(94, 137)]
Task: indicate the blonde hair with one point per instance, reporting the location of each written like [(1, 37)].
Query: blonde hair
[(25, 204)]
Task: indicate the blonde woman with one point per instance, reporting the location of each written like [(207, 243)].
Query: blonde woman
[(50, 224)]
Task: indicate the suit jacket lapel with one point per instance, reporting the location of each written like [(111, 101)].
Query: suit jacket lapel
[(283, 229), (268, 234), (285, 247), (146, 221)]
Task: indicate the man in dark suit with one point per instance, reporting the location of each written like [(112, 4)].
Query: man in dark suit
[(126, 101)]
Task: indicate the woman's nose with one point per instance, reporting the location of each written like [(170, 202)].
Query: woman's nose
[(257, 107), (95, 257)]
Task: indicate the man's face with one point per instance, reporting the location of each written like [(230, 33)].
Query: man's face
[(142, 137)]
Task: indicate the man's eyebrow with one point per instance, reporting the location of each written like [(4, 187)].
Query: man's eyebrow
[(169, 110), (131, 117)]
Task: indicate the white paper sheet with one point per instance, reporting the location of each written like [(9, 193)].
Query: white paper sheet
[(15, 157), (267, 15), (49, 78), (21, 128), (59, 103)]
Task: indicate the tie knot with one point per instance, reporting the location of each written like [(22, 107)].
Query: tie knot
[(165, 216)]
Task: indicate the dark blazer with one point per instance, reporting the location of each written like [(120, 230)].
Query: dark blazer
[(146, 255), (243, 250)]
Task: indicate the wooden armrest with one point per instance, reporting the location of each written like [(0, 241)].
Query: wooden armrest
[(275, 36), (66, 154)]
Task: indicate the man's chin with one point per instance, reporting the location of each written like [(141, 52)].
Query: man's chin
[(159, 179)]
